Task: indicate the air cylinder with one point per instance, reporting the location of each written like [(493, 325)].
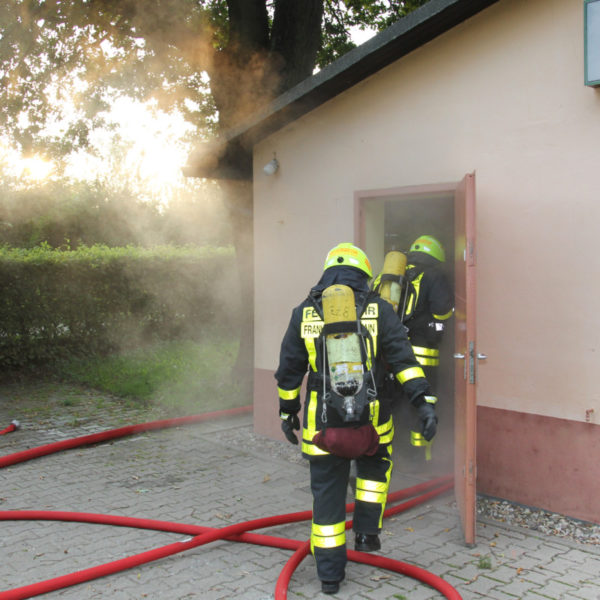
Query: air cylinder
[(391, 289), (343, 348)]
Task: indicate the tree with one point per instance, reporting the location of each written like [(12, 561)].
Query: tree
[(217, 61)]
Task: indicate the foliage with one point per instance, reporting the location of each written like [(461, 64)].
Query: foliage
[(177, 376), (63, 63), (219, 62), (94, 300), (67, 215), (69, 58), (341, 17)]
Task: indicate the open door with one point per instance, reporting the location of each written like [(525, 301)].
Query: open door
[(465, 357)]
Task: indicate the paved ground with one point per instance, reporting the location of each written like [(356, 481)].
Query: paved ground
[(219, 473)]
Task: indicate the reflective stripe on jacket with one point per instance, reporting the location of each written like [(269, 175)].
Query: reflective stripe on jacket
[(300, 353)]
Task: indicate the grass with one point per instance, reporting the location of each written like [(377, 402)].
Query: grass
[(179, 377)]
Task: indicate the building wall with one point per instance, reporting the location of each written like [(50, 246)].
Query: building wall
[(502, 95)]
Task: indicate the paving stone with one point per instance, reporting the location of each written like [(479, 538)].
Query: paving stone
[(215, 475)]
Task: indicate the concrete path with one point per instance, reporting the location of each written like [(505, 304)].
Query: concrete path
[(218, 473)]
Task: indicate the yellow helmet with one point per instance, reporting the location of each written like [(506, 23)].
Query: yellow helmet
[(429, 245), (348, 255)]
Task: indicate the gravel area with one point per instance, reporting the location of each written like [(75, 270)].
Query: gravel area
[(540, 520)]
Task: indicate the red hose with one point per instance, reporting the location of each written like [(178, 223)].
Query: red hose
[(383, 562), (290, 566), (12, 427), (129, 562), (103, 436), (151, 524), (203, 535), (391, 565)]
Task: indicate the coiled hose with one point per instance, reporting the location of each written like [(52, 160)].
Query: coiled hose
[(203, 535)]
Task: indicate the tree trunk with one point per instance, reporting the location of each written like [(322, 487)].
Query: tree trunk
[(239, 200), (296, 39), (254, 68)]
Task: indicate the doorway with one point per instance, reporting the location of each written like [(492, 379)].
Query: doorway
[(392, 220)]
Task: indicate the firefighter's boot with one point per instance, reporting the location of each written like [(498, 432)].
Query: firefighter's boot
[(367, 542)]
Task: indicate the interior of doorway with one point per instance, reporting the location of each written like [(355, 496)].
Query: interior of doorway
[(406, 217)]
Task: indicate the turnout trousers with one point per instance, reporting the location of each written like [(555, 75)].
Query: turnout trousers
[(329, 477), (417, 440)]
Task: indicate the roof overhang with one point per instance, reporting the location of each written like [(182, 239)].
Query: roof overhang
[(409, 33)]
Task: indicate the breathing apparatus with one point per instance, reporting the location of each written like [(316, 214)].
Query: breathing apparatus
[(348, 385), (425, 250), (392, 278)]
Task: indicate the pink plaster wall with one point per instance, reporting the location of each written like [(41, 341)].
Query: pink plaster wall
[(539, 461), (501, 95)]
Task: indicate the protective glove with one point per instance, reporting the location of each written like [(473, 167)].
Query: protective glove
[(426, 412), (289, 422)]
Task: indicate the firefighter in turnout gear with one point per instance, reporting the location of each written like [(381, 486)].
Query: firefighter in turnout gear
[(341, 334), (429, 304)]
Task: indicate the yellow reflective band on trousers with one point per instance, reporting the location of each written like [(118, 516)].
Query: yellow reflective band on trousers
[(375, 492), (371, 491), (327, 536), (288, 394), (416, 439), (411, 373), (386, 431)]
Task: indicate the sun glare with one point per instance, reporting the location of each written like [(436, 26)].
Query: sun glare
[(147, 153), (34, 168), (154, 151)]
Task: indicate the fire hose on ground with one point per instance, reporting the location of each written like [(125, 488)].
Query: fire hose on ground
[(239, 532), (12, 427)]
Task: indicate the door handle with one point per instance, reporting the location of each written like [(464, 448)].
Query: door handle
[(480, 355)]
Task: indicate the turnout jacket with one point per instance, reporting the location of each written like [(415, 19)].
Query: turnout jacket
[(429, 305), (301, 352)]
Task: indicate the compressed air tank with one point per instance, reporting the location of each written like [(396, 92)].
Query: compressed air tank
[(390, 289), (343, 348)]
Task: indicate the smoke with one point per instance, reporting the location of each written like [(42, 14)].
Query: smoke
[(68, 70), (65, 214)]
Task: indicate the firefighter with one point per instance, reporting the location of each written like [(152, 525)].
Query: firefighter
[(328, 442), (429, 305)]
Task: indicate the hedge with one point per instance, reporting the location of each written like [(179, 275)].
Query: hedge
[(55, 304)]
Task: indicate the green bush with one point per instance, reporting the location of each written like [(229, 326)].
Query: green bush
[(94, 300), (178, 377), (66, 214)]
